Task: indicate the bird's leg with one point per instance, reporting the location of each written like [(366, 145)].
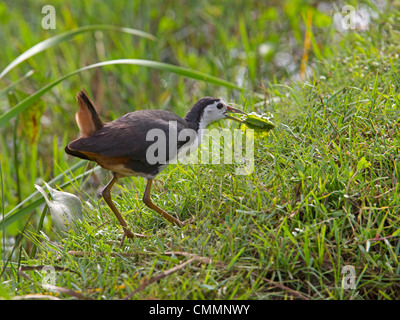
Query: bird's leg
[(107, 197), (148, 202)]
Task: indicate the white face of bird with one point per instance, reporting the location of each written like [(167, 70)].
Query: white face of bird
[(216, 111)]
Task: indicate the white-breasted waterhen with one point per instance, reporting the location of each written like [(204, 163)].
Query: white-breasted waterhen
[(121, 145)]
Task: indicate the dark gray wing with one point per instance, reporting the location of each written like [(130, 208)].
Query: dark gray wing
[(126, 136)]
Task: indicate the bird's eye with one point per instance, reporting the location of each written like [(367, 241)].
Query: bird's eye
[(220, 105)]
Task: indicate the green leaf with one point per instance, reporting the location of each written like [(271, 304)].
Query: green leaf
[(363, 164), (45, 44), (235, 258), (260, 123)]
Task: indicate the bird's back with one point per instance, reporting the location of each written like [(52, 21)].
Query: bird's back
[(126, 136)]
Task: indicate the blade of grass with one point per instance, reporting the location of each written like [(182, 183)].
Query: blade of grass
[(189, 73), (45, 44), (235, 258), (17, 242), (39, 228), (307, 40), (250, 57), (12, 85), (2, 213), (308, 24)]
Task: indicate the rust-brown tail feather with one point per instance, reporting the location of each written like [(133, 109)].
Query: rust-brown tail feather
[(87, 118)]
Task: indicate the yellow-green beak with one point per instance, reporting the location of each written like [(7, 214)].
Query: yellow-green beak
[(233, 110)]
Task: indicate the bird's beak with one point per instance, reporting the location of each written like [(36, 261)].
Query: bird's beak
[(233, 110)]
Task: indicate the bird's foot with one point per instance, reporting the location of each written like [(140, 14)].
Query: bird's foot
[(180, 223), (187, 222), (129, 234)]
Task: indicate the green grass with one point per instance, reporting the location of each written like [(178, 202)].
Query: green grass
[(323, 195)]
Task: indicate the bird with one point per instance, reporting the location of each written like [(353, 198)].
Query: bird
[(121, 146)]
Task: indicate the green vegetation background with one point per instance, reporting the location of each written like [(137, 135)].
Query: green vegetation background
[(324, 193)]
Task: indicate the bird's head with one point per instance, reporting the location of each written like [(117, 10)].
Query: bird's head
[(208, 110)]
